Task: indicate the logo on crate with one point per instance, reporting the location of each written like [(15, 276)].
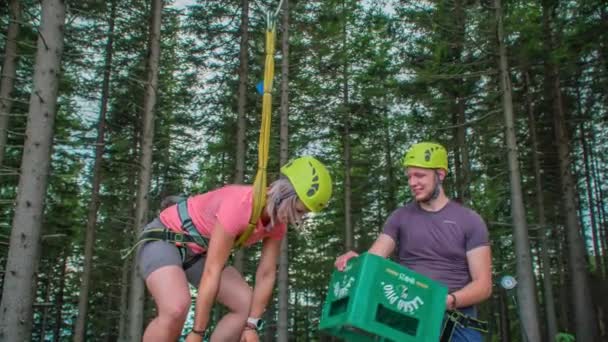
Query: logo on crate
[(341, 288), (397, 297)]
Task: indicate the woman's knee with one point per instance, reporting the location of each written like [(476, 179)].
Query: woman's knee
[(244, 302), (176, 309), (235, 293)]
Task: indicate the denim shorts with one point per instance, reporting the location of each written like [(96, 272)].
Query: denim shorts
[(156, 254)]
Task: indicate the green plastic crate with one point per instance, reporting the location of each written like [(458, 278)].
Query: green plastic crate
[(375, 299)]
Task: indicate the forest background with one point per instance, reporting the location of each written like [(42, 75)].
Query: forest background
[(107, 107)]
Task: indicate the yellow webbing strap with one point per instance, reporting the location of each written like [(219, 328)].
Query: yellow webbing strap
[(260, 183)]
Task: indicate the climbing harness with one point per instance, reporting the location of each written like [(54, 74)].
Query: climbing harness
[(190, 235), (455, 318)]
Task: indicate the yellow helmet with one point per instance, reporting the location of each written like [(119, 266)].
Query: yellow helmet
[(427, 155), (311, 180)]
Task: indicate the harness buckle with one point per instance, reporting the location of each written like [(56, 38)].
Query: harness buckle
[(179, 238)]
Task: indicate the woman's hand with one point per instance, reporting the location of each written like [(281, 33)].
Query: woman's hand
[(194, 337), (250, 335)]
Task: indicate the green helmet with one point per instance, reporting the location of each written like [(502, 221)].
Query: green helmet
[(311, 180), (427, 155)]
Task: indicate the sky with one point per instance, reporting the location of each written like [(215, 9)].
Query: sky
[(182, 3)]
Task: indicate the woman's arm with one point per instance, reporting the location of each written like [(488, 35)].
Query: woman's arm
[(220, 245), (265, 277)]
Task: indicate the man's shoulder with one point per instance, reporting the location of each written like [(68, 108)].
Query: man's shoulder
[(465, 212), (407, 207), (398, 214), (457, 206)]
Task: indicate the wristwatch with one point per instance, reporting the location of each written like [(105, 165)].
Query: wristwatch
[(255, 323)]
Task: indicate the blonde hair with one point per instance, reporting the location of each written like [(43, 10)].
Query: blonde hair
[(281, 202)]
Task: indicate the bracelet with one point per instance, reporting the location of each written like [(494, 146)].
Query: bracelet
[(454, 298), (200, 333)]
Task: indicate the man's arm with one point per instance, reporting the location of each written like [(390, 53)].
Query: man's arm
[(480, 287), (383, 246)]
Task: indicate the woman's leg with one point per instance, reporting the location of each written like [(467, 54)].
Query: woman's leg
[(161, 266), (235, 294)]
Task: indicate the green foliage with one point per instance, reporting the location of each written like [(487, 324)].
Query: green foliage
[(390, 73)]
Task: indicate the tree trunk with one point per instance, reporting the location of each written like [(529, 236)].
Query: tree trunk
[(24, 248), (526, 290), (59, 298), (592, 195), (505, 322), (391, 201), (542, 219), (125, 282), (461, 155), (564, 301), (136, 298), (347, 157), (597, 254), (83, 299), (584, 313), (239, 171), (124, 299), (45, 310), (600, 204), (9, 72), (283, 300)]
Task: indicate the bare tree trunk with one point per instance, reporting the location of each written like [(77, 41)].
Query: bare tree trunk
[(124, 299), (505, 322), (136, 298), (563, 282), (594, 219), (348, 224), (542, 219), (45, 309), (9, 72), (462, 152), (585, 321), (83, 299), (599, 193), (391, 201), (597, 254), (283, 300), (59, 298), (24, 248), (584, 312), (526, 291), (125, 282), (239, 172)]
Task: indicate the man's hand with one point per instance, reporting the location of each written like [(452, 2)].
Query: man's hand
[(250, 335), (342, 260), (450, 302)]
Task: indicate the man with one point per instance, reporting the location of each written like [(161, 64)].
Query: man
[(440, 239)]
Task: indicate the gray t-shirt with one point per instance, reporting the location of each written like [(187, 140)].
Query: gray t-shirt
[(435, 243)]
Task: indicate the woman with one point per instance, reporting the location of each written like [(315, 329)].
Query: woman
[(208, 226)]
